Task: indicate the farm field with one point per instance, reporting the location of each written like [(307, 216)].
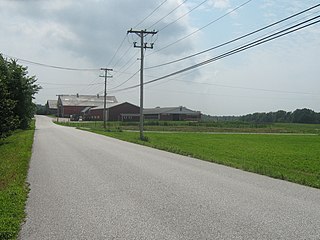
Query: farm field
[(292, 157), (232, 127)]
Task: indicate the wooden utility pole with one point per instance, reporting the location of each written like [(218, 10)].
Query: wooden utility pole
[(143, 45), (105, 95)]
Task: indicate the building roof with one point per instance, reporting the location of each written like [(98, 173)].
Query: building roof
[(52, 104), (170, 110), (85, 100), (110, 105)]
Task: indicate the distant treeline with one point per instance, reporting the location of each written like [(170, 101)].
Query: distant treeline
[(298, 116)]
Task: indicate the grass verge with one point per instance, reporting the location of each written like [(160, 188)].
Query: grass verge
[(14, 163), (294, 158)]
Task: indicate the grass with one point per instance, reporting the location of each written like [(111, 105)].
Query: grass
[(14, 163), (184, 126), (294, 158)]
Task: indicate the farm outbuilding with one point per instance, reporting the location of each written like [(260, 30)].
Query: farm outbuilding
[(171, 114), (52, 107), (73, 104), (115, 112)]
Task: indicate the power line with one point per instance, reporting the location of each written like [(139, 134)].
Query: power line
[(247, 88), (167, 14), (122, 56), (150, 14), (245, 47), (69, 84), (51, 66), (271, 37), (130, 59), (199, 29), (125, 80), (221, 95), (122, 42), (191, 10), (117, 50), (236, 39)]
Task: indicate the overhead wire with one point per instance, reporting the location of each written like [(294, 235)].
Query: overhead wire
[(223, 95), (263, 40), (182, 16), (122, 42), (125, 80), (167, 14), (247, 88), (150, 14), (121, 84), (199, 29), (116, 52), (236, 39), (120, 70), (51, 66), (68, 84), (242, 48)]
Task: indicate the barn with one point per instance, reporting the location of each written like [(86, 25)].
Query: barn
[(116, 112), (171, 114), (73, 104), (51, 107)]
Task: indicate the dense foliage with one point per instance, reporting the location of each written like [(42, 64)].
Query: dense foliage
[(298, 116), (17, 90)]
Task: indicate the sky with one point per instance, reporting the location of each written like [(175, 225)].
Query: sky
[(282, 74)]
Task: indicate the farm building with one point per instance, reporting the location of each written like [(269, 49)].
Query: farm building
[(171, 114), (115, 112), (74, 104), (51, 107)]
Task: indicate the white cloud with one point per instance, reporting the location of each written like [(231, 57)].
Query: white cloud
[(220, 4)]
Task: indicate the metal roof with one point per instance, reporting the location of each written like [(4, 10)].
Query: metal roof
[(110, 105), (85, 100), (52, 104), (170, 110)]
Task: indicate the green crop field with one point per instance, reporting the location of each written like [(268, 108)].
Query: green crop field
[(181, 126), (14, 162)]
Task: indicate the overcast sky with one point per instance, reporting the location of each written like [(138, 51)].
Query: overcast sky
[(281, 74)]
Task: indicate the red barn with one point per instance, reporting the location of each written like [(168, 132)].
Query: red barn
[(74, 104), (116, 112)]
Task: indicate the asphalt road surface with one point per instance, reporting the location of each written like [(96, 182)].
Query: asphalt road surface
[(87, 186)]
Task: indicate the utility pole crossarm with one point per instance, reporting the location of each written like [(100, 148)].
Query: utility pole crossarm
[(139, 32)]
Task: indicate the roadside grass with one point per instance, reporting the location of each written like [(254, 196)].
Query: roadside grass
[(185, 126), (295, 158), (14, 163)]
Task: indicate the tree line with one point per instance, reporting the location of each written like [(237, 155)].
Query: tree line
[(17, 91), (298, 116)]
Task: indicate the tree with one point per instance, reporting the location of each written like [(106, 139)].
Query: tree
[(304, 116), (17, 91), (22, 89), (8, 121)]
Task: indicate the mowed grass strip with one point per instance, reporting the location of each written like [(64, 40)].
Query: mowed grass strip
[(15, 153), (294, 158)]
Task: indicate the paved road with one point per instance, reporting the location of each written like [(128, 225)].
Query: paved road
[(86, 186)]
